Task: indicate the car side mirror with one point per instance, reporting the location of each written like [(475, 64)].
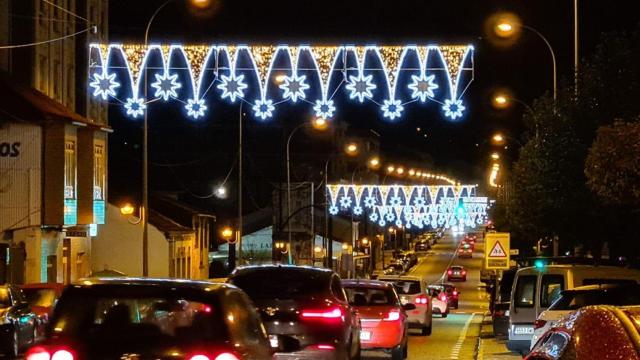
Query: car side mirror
[(409, 306)]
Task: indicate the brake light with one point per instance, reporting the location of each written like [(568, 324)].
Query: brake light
[(449, 272), (199, 357), (421, 300), (335, 313), (464, 272), (539, 323), (41, 353), (443, 297), (393, 315), (498, 313), (322, 347), (455, 293)]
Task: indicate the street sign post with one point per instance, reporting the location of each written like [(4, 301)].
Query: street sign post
[(496, 250)]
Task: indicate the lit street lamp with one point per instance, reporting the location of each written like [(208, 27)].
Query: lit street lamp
[(351, 149), (227, 234), (495, 156), (502, 100)]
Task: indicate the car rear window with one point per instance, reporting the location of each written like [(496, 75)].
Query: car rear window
[(369, 296), (118, 313), (505, 285), (525, 291), (281, 283), (406, 287), (573, 300), (40, 297)]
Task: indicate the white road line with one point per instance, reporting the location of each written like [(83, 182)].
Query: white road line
[(463, 335)]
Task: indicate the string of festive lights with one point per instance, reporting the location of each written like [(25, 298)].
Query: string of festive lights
[(410, 206), (239, 71)]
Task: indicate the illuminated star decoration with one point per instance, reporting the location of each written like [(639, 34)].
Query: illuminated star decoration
[(369, 201), (195, 108), (373, 217), (294, 87), (396, 201), (264, 108), (345, 201), (361, 86), (392, 109), (422, 86), (419, 201), (104, 85), (357, 210), (324, 108), (453, 108), (333, 210), (166, 86), (135, 107), (232, 86)]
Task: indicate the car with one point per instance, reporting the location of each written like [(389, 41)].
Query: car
[(465, 251), (501, 301), (394, 269), (41, 298), (456, 273), (146, 318), (452, 293), (439, 301), (471, 238), (385, 324), (18, 323), (305, 310), (413, 290), (571, 300), (423, 245), (592, 332)]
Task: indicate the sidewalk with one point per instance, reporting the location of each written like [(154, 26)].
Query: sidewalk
[(490, 347)]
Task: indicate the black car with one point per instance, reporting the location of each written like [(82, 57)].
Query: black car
[(132, 318), (304, 309), (502, 299), (18, 325)]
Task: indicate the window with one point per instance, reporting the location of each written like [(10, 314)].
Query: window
[(99, 176), (281, 283), (336, 289), (525, 291), (69, 169), (363, 296), (245, 327), (406, 287), (550, 289)]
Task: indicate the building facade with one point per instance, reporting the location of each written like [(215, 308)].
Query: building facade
[(53, 179)]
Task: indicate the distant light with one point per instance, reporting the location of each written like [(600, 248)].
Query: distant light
[(390, 168), (226, 233), (127, 209), (412, 172), (374, 162), (351, 149), (498, 138), (280, 78), (495, 156), (317, 249), (221, 192), (320, 123), (539, 264), (400, 171)]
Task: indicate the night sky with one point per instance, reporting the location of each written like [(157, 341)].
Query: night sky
[(525, 68)]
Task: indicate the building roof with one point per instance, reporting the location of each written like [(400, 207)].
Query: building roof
[(180, 212), (167, 225), (23, 103)]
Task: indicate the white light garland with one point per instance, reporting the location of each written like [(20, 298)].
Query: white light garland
[(453, 62)]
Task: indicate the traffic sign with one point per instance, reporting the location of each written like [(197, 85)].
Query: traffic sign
[(496, 250)]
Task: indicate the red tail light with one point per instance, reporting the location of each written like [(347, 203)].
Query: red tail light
[(393, 315), (464, 272), (41, 353), (221, 356), (539, 323), (332, 314), (455, 293), (443, 297), (421, 300), (321, 347), (199, 357), (498, 313), (449, 272)]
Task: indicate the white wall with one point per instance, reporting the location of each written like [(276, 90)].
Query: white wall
[(118, 246)]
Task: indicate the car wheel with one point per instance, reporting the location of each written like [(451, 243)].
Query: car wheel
[(397, 353), (426, 330)]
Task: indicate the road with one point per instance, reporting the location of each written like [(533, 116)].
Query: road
[(455, 337)]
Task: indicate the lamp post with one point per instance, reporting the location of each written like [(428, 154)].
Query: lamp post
[(502, 101), (227, 234), (499, 139), (318, 124)]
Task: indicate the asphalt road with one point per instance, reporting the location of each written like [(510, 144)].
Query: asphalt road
[(455, 337)]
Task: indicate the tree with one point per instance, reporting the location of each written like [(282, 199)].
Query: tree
[(613, 166)]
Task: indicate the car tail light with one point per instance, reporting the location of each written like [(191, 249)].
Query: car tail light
[(498, 313), (199, 357), (539, 323), (443, 297), (421, 300), (464, 272), (41, 353), (455, 293), (449, 272), (321, 347), (332, 314), (393, 315)]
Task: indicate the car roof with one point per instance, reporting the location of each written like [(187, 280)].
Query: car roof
[(302, 268), (173, 283), (399, 277), (365, 283), (602, 287)]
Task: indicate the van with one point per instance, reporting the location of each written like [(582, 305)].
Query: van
[(536, 288)]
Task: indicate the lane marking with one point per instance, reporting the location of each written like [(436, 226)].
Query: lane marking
[(455, 351)]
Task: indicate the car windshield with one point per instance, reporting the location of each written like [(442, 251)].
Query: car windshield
[(40, 297), (281, 283), (406, 287), (573, 300), (138, 313), (370, 296), (456, 268), (5, 301)]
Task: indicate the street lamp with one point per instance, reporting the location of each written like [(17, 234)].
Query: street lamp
[(374, 163), (498, 138), (221, 192), (502, 100), (127, 209), (320, 123), (351, 149), (495, 156), (226, 232)]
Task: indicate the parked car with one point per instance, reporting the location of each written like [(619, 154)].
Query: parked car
[(501, 302), (385, 325), (571, 300), (457, 273), (134, 318), (593, 332), (41, 298), (439, 301), (453, 294), (423, 245), (394, 269), (18, 323), (536, 288), (413, 290), (304, 309)]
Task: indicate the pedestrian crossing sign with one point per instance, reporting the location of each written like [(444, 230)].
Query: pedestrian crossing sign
[(496, 250)]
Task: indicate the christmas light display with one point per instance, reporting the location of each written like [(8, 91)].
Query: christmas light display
[(312, 74), (410, 206)]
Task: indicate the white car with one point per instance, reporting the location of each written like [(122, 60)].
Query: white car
[(571, 300), (439, 302), (413, 290)]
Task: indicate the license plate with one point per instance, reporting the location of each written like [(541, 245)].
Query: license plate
[(523, 330), (273, 340), (365, 335)]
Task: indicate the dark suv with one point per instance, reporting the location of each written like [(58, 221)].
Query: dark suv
[(304, 309), (130, 318)]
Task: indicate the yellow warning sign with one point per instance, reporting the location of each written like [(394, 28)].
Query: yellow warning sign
[(496, 250)]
